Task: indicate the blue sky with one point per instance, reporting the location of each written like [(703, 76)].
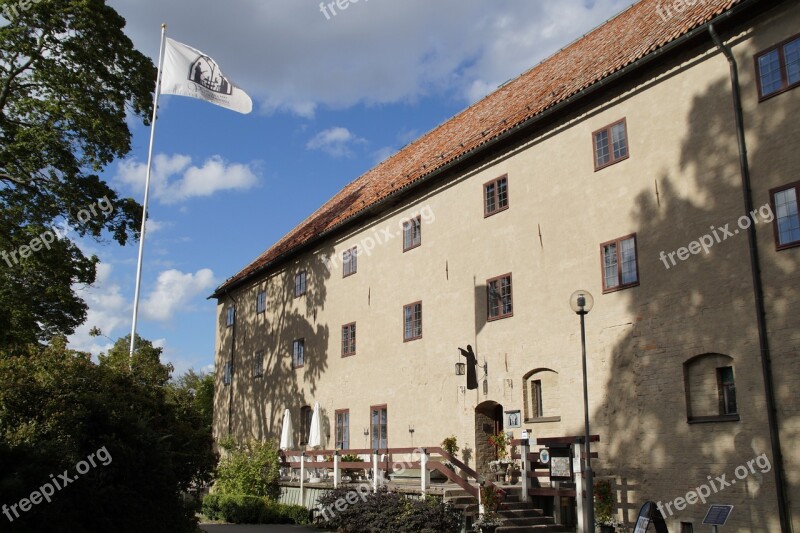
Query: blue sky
[(332, 96)]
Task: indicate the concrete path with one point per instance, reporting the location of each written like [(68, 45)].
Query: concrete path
[(232, 528)]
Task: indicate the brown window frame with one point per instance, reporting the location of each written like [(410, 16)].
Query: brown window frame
[(258, 369), (372, 408), (785, 85), (302, 342), (411, 246), (413, 337), (352, 352), (304, 275), (262, 295), (612, 160), (336, 427), (350, 262), (776, 230), (305, 424), (621, 286), (501, 315), (496, 195)]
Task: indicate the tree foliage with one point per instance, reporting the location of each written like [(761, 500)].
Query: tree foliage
[(57, 407), (69, 78)]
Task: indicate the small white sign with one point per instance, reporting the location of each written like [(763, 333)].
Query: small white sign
[(524, 434)]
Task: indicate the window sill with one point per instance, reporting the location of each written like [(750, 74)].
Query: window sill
[(620, 288), (499, 317), (543, 419), (487, 214), (610, 163), (712, 419)]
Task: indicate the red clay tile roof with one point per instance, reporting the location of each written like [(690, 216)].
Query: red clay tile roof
[(631, 35)]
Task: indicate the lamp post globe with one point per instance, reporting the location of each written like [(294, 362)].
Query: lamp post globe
[(581, 302)]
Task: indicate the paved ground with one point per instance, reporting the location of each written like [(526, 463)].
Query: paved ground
[(226, 528)]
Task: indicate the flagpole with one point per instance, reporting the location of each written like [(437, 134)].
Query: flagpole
[(147, 189)]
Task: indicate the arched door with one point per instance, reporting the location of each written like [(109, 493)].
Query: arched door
[(488, 422)]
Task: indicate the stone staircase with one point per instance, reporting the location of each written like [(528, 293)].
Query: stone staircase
[(518, 517)]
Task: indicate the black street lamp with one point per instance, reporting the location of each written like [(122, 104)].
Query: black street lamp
[(581, 302)]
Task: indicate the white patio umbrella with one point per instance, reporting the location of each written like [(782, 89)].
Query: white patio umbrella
[(287, 438), (315, 435)]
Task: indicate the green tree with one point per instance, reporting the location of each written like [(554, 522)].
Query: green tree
[(68, 78), (201, 387), (250, 468), (57, 407)]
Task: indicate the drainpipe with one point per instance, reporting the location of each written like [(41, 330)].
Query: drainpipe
[(233, 353), (758, 291)]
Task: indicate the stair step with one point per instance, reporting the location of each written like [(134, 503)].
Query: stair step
[(529, 521), (518, 506), (521, 513), (554, 528)]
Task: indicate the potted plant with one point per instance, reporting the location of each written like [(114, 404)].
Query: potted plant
[(487, 523), (604, 506), (450, 446), (352, 473), (500, 442)]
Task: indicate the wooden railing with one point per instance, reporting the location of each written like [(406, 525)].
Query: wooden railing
[(425, 465)]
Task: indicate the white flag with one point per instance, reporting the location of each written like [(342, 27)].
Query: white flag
[(189, 72)]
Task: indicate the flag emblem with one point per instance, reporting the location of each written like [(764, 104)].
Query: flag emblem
[(190, 72)]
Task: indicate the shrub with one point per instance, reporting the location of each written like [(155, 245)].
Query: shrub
[(210, 507), (251, 467), (241, 509), (450, 445), (387, 511)]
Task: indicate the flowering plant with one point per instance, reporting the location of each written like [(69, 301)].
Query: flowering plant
[(500, 442)]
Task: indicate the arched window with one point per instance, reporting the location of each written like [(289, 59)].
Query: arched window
[(710, 387), (541, 396)]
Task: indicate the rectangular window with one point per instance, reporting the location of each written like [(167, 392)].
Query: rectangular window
[(787, 218), (620, 265), (258, 364), (230, 317), (499, 297), (778, 68), (300, 284), (350, 261), (349, 339), (298, 353), (306, 415), (727, 391), (343, 429), (261, 302), (610, 144), (412, 321), (536, 398), (379, 427), (495, 196), (412, 233), (227, 375)]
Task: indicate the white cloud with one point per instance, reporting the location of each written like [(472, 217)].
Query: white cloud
[(174, 292), (174, 179), (289, 56), (335, 142), (108, 310)]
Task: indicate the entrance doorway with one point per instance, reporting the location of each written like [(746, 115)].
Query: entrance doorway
[(488, 422)]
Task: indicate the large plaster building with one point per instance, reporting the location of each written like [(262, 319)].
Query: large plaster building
[(654, 163)]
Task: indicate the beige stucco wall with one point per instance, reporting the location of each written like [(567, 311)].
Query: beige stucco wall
[(682, 177)]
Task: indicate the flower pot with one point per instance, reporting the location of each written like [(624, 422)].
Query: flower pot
[(607, 529)]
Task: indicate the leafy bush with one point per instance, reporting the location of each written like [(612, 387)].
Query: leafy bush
[(387, 511), (251, 468), (603, 501), (241, 509), (450, 445)]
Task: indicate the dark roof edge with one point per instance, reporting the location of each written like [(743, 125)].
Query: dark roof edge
[(614, 76)]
